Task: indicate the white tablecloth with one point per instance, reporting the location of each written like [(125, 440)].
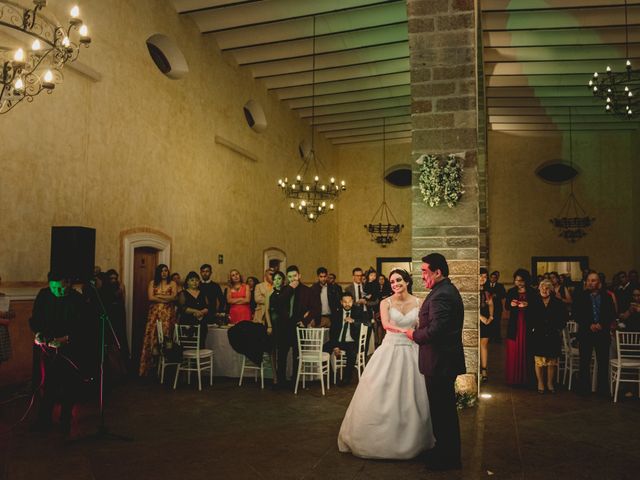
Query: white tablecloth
[(226, 362)]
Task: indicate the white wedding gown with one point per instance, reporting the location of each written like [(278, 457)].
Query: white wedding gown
[(388, 416)]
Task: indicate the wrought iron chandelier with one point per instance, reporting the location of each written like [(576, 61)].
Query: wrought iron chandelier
[(27, 73), (572, 221), (384, 229), (619, 90), (308, 194)]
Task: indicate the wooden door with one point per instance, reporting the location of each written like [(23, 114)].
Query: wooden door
[(145, 260)]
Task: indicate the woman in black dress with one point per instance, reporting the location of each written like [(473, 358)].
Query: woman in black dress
[(486, 322), (279, 325), (548, 318), (194, 306)]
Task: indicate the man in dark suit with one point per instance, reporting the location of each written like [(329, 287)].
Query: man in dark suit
[(211, 291), (300, 313), (325, 299), (594, 311), (344, 333), (441, 358)]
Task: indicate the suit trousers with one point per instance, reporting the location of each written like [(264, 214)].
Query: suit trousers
[(351, 349), (286, 339), (444, 418), (587, 343)]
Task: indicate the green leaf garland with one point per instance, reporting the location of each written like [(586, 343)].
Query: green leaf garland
[(440, 182)]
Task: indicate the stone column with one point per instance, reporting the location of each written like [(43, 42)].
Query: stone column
[(443, 56)]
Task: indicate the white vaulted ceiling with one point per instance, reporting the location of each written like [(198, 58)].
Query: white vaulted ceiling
[(361, 62), (538, 56)]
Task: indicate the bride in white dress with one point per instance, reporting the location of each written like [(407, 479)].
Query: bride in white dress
[(388, 416)]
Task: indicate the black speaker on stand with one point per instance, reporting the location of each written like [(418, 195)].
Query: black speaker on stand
[(73, 252)]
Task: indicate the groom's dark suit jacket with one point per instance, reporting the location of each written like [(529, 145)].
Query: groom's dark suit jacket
[(439, 332)]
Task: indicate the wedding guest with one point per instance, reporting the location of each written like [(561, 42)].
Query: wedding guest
[(251, 283), (325, 297), (373, 294), (594, 312), (238, 298), (518, 299), (162, 294), (6, 314), (356, 289), (177, 279), (630, 318), (331, 280), (112, 295), (633, 278), (278, 318), (344, 334), (499, 295), (623, 291), (385, 292), (211, 290), (193, 306), (385, 287), (487, 313), (607, 290), (301, 309), (561, 292), (260, 294), (548, 318)]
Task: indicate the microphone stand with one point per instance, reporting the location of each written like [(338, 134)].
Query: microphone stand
[(103, 432)]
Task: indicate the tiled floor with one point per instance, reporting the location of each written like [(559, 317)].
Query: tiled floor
[(245, 433)]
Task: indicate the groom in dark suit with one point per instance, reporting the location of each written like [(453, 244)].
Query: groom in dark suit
[(344, 333), (441, 358)]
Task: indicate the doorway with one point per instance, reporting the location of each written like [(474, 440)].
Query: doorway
[(275, 258), (145, 260), (131, 241)]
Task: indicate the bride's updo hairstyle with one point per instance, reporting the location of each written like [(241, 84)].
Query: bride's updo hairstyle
[(405, 276)]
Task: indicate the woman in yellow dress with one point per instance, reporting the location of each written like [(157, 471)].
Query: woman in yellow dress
[(162, 294)]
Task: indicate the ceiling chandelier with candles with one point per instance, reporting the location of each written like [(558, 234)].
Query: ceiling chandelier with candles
[(572, 222), (619, 90), (309, 194), (26, 72), (384, 229)]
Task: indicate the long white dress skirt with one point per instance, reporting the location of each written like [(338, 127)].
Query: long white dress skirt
[(388, 417)]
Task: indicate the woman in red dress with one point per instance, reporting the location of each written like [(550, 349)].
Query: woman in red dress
[(519, 300), (238, 299)]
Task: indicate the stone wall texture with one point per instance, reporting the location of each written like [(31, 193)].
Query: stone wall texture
[(442, 39)]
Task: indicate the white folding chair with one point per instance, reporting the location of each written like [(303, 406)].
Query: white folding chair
[(194, 358), (162, 361), (338, 363), (362, 349), (572, 356), (249, 365), (628, 359), (361, 356), (312, 361)]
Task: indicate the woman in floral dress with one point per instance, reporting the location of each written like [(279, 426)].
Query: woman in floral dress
[(162, 294)]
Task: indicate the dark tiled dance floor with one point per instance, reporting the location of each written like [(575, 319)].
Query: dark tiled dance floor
[(245, 433)]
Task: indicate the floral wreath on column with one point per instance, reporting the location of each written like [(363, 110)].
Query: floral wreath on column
[(441, 180)]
